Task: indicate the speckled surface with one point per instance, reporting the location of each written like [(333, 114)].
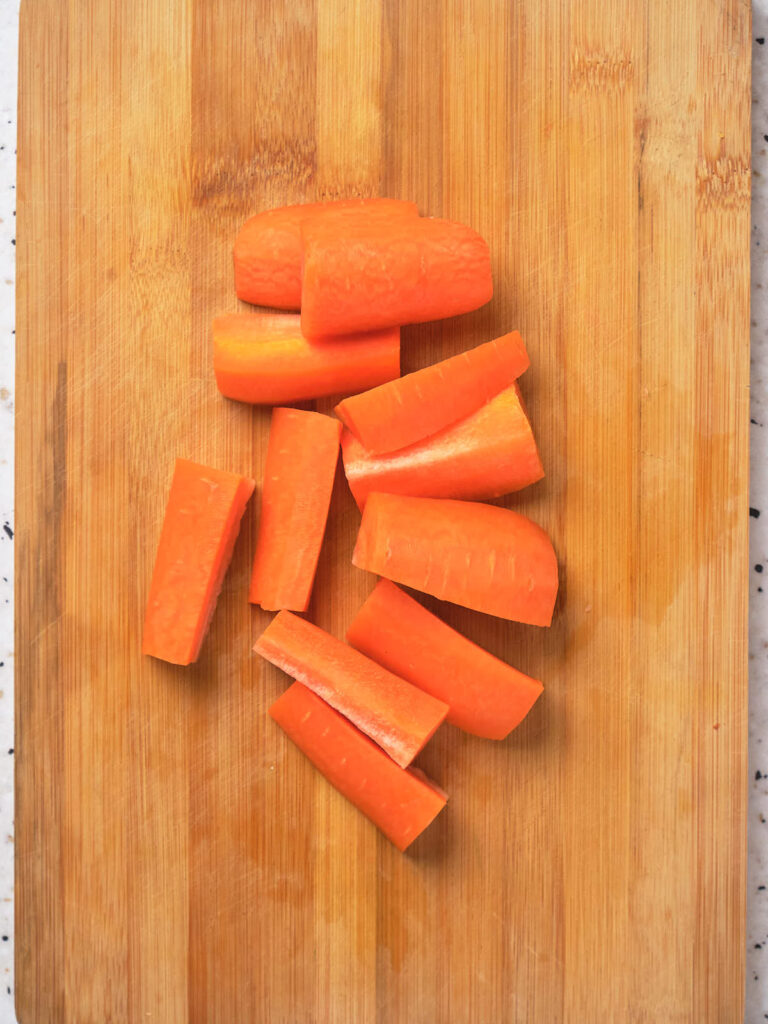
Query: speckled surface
[(8, 68), (757, 892), (757, 885)]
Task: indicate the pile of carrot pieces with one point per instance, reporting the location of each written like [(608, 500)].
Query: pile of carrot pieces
[(420, 452)]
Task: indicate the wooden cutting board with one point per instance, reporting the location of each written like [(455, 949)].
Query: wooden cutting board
[(177, 859)]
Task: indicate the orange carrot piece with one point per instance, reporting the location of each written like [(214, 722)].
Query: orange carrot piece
[(411, 408), (366, 276), (402, 803), (480, 556), (396, 715), (486, 696), (263, 358), (301, 462), (267, 252), (490, 453), (202, 520)]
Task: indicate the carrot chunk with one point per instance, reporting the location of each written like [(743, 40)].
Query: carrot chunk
[(397, 715), (404, 411), (365, 276), (267, 252), (490, 453), (202, 520), (301, 462), (480, 556), (486, 696), (263, 358), (402, 803)]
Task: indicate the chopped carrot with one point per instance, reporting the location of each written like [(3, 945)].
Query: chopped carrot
[(397, 271), (402, 803), (301, 462), (267, 252), (486, 696), (490, 453), (396, 715), (411, 408), (202, 520), (263, 358), (481, 556)]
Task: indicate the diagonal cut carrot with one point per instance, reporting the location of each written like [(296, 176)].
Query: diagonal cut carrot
[(396, 715), (301, 462), (202, 520), (404, 411), (490, 453), (402, 803), (486, 696)]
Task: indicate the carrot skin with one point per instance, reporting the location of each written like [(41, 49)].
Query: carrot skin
[(486, 696), (267, 253), (202, 520), (400, 802), (398, 716), (391, 272), (407, 410), (481, 556), (302, 453)]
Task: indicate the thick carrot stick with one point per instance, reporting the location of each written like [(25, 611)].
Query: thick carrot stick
[(490, 453), (481, 556), (396, 715), (398, 271), (298, 479), (202, 520), (404, 411), (486, 696), (263, 358), (267, 252), (400, 803)]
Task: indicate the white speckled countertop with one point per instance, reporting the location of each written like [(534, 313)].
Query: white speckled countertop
[(757, 886)]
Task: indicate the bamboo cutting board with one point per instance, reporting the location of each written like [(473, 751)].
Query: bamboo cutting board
[(177, 859)]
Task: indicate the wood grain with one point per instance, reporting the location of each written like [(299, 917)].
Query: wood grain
[(177, 860)]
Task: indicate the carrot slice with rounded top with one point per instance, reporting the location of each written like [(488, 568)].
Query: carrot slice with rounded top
[(486, 696), (267, 252), (402, 803), (298, 479), (263, 358), (202, 520), (480, 556), (397, 715), (411, 408), (490, 453), (365, 276)]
